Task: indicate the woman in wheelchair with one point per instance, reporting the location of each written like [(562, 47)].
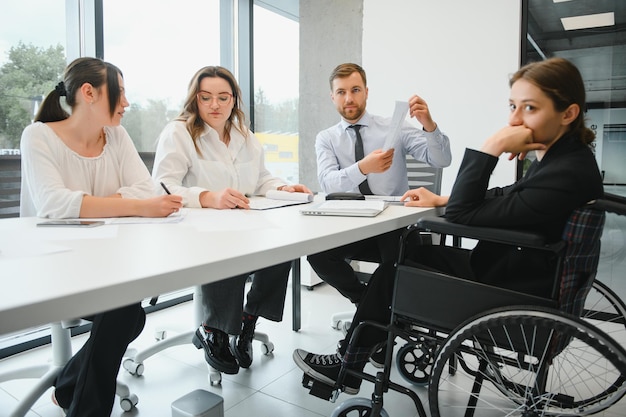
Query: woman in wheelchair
[(546, 104)]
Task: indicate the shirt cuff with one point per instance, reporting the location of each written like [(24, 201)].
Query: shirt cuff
[(355, 174)]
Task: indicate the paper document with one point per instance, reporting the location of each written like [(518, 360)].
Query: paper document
[(176, 217), (389, 198), (399, 114), (275, 198)]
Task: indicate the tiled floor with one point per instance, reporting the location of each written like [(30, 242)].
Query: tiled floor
[(272, 386)]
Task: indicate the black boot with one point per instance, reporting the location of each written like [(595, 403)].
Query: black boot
[(216, 352), (241, 346)]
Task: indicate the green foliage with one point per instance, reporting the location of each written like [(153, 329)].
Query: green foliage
[(29, 75), (281, 117), (144, 125)]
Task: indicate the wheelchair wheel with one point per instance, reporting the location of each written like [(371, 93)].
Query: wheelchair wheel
[(356, 407), (605, 310), (414, 361), (527, 361)]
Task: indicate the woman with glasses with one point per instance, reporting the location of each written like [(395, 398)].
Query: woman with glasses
[(210, 157)]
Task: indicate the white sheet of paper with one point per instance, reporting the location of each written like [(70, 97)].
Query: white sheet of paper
[(176, 217), (399, 114)]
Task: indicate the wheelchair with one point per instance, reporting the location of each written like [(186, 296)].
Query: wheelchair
[(481, 350)]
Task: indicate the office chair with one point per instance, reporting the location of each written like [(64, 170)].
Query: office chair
[(10, 184), (47, 373), (420, 174), (133, 363)]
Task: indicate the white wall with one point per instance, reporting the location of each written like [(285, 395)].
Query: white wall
[(437, 50)]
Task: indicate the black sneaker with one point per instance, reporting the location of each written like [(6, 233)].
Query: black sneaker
[(325, 368), (241, 346), (378, 356), (216, 352)]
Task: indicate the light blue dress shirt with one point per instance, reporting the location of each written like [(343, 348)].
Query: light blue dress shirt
[(337, 171)]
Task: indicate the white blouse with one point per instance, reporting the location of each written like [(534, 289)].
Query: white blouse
[(55, 178), (185, 172)]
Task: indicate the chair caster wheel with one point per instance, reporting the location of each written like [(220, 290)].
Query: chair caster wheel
[(135, 369), (267, 348), (128, 403), (215, 377)]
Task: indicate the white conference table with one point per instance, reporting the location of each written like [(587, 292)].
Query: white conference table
[(52, 274)]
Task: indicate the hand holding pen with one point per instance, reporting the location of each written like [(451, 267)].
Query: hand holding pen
[(228, 198), (171, 203)]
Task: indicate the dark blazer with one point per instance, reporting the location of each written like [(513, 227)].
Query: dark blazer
[(565, 179)]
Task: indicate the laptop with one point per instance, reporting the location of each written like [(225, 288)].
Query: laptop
[(355, 208)]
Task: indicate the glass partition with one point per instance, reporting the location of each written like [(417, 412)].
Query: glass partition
[(597, 46)]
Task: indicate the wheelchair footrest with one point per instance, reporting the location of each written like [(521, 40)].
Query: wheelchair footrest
[(319, 389)]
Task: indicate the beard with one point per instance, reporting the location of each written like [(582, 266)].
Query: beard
[(352, 114)]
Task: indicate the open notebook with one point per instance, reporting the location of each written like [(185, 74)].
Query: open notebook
[(359, 208)]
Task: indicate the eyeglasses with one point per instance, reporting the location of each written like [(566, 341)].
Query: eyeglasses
[(207, 98)]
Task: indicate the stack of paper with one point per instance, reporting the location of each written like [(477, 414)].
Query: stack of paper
[(275, 198)]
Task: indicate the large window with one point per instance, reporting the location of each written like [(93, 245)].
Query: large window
[(276, 71), (158, 46), (32, 59)]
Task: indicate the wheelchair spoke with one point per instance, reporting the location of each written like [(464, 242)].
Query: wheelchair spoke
[(530, 364)]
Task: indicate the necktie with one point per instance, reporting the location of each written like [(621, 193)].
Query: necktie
[(358, 155)]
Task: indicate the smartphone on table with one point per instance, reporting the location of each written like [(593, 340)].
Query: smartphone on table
[(71, 223)]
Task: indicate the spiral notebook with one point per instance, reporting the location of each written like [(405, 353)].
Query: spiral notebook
[(358, 208)]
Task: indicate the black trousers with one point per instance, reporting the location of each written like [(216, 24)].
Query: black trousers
[(86, 385), (333, 265), (223, 301)]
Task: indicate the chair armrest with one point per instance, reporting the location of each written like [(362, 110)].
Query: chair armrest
[(612, 203), (491, 234)]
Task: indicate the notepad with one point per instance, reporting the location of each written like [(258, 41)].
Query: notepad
[(275, 199), (356, 208)]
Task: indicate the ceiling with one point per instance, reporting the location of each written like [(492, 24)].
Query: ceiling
[(599, 53)]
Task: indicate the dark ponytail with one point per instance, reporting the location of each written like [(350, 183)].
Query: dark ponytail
[(93, 71)]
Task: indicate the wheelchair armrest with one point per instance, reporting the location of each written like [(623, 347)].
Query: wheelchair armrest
[(506, 236), (612, 203)]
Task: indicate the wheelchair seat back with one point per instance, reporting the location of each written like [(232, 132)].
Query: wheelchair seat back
[(442, 302)]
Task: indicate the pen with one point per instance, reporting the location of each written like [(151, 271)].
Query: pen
[(165, 188)]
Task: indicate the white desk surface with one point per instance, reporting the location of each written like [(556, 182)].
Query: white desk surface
[(115, 265)]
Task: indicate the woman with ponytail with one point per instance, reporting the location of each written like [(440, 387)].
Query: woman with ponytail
[(82, 163)]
